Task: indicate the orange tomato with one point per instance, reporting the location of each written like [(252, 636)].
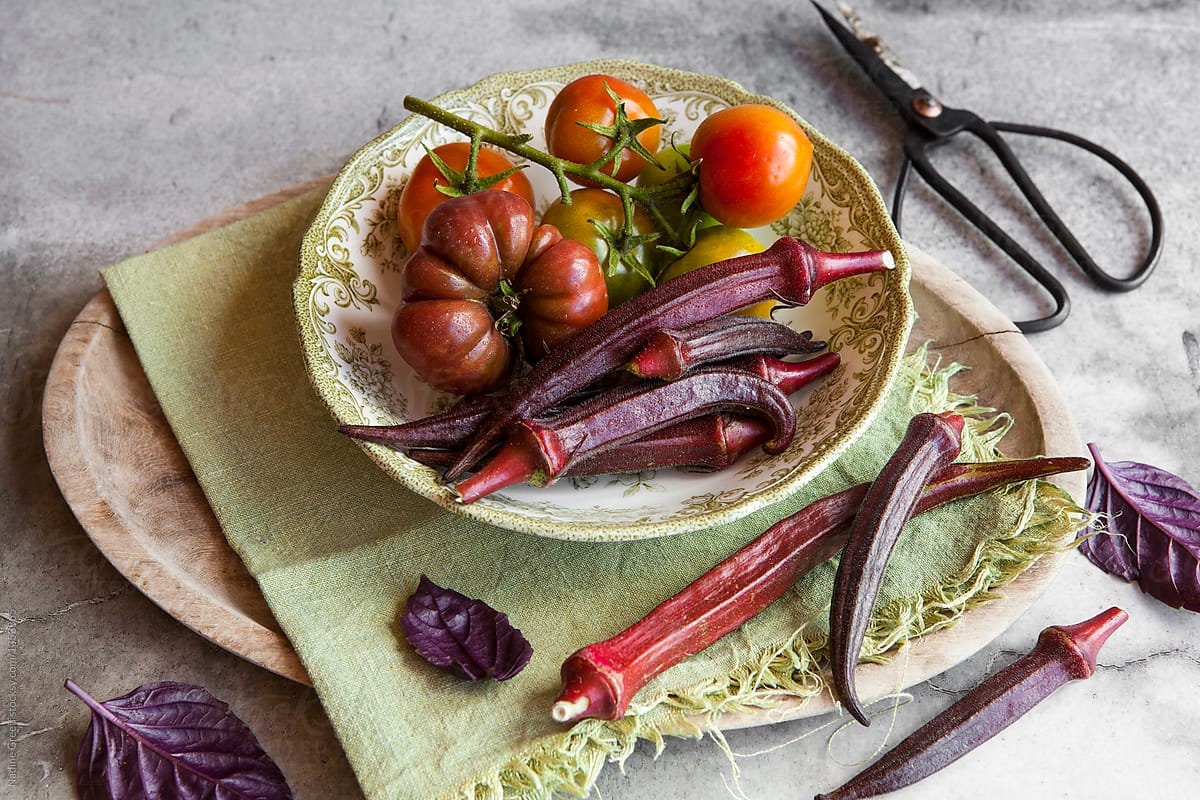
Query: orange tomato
[(754, 164), (420, 194), (584, 100)]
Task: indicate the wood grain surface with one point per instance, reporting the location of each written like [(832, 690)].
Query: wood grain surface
[(130, 486)]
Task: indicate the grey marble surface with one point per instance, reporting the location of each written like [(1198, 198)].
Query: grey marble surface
[(123, 122)]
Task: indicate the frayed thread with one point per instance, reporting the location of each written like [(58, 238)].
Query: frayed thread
[(793, 669)]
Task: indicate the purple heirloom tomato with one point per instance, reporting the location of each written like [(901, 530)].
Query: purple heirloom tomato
[(483, 274)]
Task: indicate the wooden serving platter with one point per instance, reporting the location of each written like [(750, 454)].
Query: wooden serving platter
[(127, 481)]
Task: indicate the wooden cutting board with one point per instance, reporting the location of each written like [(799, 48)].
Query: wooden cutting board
[(127, 481)]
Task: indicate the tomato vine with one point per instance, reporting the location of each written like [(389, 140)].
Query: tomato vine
[(652, 198)]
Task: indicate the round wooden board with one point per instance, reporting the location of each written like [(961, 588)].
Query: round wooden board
[(1005, 373), (124, 476)]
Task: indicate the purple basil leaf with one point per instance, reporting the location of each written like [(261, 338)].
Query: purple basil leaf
[(467, 636), (171, 740), (1152, 532)]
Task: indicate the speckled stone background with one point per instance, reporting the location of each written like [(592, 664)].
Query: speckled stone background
[(123, 122)]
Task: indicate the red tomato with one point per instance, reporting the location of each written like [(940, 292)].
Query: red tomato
[(754, 164), (584, 100), (420, 194)]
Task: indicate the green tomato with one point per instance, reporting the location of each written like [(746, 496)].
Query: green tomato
[(672, 162), (714, 244), (574, 221)]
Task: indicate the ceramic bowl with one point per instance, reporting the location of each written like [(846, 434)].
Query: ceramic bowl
[(348, 288)]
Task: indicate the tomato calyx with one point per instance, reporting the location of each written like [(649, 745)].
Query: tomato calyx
[(503, 305), (671, 192), (623, 246), (467, 180), (623, 132)]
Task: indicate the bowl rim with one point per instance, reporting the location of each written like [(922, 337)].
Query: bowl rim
[(425, 482)]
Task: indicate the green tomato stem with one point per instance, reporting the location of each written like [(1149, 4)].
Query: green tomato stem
[(472, 169), (518, 145)]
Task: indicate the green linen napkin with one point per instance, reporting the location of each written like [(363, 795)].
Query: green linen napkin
[(336, 546)]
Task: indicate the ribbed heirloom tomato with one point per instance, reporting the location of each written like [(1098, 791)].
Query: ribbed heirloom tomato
[(483, 264), (754, 164), (585, 101), (420, 194)]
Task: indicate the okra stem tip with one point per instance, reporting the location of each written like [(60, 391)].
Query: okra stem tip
[(954, 420), (569, 711), (1087, 637), (513, 462), (829, 267)]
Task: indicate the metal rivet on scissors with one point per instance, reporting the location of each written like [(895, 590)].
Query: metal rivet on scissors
[(930, 124)]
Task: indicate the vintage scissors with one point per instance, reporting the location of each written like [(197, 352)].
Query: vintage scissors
[(931, 124)]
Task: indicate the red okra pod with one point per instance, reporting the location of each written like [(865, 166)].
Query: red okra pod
[(668, 354), (931, 442), (539, 450), (1062, 654), (789, 376), (446, 429), (790, 271), (600, 680), (706, 443)]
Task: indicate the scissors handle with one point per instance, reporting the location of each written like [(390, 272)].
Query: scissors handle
[(954, 121)]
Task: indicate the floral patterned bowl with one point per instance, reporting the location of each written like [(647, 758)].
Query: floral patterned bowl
[(348, 287)]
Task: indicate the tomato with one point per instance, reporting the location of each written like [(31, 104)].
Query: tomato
[(575, 222), (453, 345), (715, 244), (672, 162), (481, 262), (420, 194), (561, 289), (584, 100), (754, 164)]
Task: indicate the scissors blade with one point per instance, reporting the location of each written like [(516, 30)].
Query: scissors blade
[(900, 85)]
